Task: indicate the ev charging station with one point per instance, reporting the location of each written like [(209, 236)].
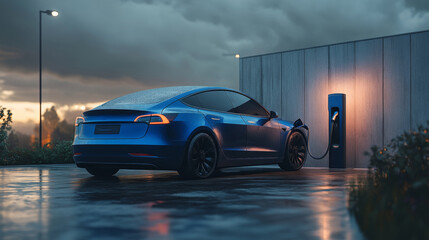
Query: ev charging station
[(337, 131), (337, 128)]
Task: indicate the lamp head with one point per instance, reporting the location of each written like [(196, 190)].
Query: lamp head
[(53, 13)]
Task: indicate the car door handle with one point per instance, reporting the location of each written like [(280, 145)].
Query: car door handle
[(215, 119), (251, 121)]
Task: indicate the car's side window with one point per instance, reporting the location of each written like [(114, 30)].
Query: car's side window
[(192, 100), (244, 105), (212, 100)]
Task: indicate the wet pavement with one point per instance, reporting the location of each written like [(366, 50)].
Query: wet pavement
[(264, 202)]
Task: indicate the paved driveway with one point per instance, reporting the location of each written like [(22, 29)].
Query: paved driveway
[(64, 202)]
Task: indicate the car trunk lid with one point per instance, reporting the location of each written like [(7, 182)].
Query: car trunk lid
[(112, 124)]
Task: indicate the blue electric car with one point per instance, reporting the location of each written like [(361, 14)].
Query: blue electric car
[(193, 130)]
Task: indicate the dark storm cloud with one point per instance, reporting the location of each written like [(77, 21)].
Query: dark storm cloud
[(418, 5), (100, 49), (64, 91), (110, 40)]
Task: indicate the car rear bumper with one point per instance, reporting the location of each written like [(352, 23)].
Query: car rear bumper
[(163, 157)]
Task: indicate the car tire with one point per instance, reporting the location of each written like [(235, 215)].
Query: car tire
[(295, 153), (102, 172), (201, 158)]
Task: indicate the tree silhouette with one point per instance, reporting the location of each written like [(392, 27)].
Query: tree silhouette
[(5, 120), (63, 132), (18, 140), (52, 129)]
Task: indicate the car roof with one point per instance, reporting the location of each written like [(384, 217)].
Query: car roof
[(152, 99)]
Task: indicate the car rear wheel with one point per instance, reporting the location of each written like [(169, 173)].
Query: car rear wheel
[(102, 172), (201, 157), (296, 153)]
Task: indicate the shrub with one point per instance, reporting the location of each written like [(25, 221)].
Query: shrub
[(5, 120), (58, 152), (61, 152), (392, 201)]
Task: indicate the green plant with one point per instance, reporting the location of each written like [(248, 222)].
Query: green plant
[(392, 202), (60, 152), (6, 119)]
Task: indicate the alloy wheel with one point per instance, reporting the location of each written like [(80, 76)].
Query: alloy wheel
[(296, 151), (202, 155)]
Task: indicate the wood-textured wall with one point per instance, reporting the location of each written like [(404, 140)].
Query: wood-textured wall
[(396, 86), (419, 79), (316, 102), (293, 83), (271, 82), (252, 77), (386, 82), (369, 97)]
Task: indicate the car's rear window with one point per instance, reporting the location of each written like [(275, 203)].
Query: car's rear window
[(151, 96)]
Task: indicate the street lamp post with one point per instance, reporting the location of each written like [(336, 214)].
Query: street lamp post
[(53, 13)]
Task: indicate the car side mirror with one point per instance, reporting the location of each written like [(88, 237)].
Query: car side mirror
[(273, 114), (298, 123)]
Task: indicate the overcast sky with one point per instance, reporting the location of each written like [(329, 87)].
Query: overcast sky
[(96, 50)]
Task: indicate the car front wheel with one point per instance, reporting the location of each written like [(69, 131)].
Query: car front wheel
[(296, 152)]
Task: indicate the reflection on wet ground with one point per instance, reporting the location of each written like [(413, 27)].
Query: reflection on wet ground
[(62, 201)]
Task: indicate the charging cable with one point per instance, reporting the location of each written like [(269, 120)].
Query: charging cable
[(334, 118)]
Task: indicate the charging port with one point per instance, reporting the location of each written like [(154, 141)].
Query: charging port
[(335, 140)]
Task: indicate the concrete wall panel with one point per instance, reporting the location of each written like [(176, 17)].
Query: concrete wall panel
[(342, 80), (252, 75), (271, 82), (368, 98), (293, 86), (419, 79), (396, 86), (316, 103)]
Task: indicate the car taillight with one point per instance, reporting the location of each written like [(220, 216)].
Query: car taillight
[(158, 119), (152, 119), (143, 119), (78, 121)]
